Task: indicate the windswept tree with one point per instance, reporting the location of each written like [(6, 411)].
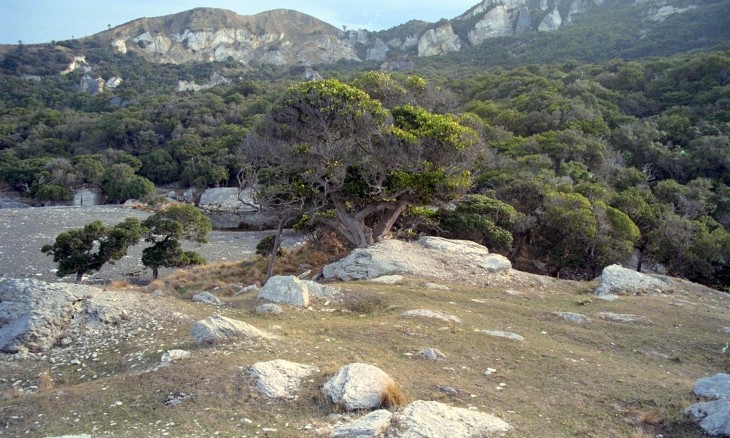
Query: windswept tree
[(330, 150), (164, 230), (87, 249)]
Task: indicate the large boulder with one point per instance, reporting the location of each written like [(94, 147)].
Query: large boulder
[(713, 416), (430, 419), (279, 378), (286, 289), (228, 199), (218, 328), (34, 314), (455, 260), (358, 386), (617, 280)]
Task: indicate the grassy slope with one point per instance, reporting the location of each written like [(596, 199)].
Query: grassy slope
[(602, 379)]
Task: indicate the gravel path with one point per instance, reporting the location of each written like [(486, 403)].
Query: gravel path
[(24, 231)]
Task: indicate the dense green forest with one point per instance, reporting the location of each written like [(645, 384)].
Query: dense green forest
[(588, 153)]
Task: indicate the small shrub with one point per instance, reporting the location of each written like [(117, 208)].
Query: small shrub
[(265, 246), (363, 303)]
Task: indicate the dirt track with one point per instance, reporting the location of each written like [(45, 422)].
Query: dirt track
[(24, 231)]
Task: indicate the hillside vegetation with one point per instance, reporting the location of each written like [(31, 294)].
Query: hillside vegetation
[(596, 140)]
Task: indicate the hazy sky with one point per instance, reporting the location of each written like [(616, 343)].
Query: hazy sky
[(41, 21)]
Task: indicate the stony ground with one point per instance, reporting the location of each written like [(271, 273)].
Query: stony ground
[(24, 231)]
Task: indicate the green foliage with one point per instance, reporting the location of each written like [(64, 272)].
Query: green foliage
[(87, 249), (52, 193), (119, 183), (266, 245), (482, 219), (164, 230)]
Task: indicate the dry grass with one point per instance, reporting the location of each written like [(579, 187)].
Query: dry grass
[(45, 381), (600, 379), (392, 396)]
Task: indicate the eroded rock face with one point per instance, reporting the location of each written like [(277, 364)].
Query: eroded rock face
[(430, 419), (551, 22), (357, 386), (617, 280), (34, 314), (216, 329), (439, 41), (279, 378)]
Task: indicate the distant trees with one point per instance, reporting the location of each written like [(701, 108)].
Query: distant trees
[(87, 249), (165, 228)]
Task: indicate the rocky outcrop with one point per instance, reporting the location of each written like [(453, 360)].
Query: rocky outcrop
[(77, 63), (429, 257), (207, 298), (358, 386), (34, 314), (617, 280), (215, 80), (217, 329), (90, 85), (496, 22), (550, 22), (268, 309), (713, 416), (439, 41), (279, 378), (430, 419), (233, 208)]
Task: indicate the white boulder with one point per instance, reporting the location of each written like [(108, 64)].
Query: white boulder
[(617, 280), (207, 298), (286, 289), (279, 378), (219, 328), (367, 426), (503, 334), (713, 416), (430, 419), (358, 386)]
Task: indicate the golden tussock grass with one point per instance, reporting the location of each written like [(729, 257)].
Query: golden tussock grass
[(45, 381), (392, 396)]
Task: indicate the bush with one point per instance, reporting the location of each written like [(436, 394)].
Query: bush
[(265, 246)]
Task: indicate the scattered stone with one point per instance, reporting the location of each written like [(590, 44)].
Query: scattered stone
[(279, 378), (430, 419), (713, 416), (217, 328), (622, 317), (432, 314), (368, 426), (207, 298), (432, 354), (490, 371), (357, 386), (617, 280), (448, 390), (247, 289), (502, 334), (572, 317), (286, 289), (174, 356), (388, 279), (268, 309), (717, 386), (436, 286), (176, 399)]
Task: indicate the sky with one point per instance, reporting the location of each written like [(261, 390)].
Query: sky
[(42, 21)]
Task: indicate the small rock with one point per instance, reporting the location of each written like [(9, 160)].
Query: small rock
[(617, 280), (247, 289), (268, 309), (436, 286), (431, 353), (388, 279), (173, 356), (207, 298), (502, 334), (432, 314), (285, 289), (490, 371), (448, 390), (430, 419), (572, 317), (622, 317)]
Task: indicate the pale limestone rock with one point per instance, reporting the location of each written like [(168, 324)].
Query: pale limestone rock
[(219, 329), (439, 41), (367, 426), (617, 280), (388, 279), (90, 85), (435, 314), (430, 419), (713, 416), (120, 45), (432, 354), (572, 317), (363, 263), (77, 63), (357, 386), (269, 309), (662, 13), (173, 356), (495, 23), (622, 317), (503, 334), (228, 199), (551, 22), (113, 82), (279, 378), (320, 291), (286, 289), (207, 298), (459, 247), (717, 386), (378, 51)]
